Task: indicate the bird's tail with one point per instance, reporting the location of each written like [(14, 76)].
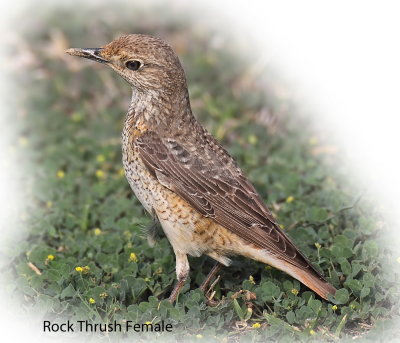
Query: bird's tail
[(313, 281), (308, 276)]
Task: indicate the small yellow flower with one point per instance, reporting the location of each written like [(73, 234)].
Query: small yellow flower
[(251, 279), (282, 226), (253, 139), (199, 336), (92, 301), (148, 323), (220, 132), (100, 174), (317, 245), (49, 204), (294, 291), (334, 307), (23, 141), (289, 199), (50, 257), (146, 279), (312, 332), (121, 172), (313, 140), (83, 270), (76, 117), (256, 326), (352, 306), (133, 257), (100, 158), (60, 174), (103, 295), (128, 235), (97, 231)]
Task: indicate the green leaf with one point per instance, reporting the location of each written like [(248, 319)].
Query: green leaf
[(356, 268), (238, 309), (268, 291), (364, 292), (139, 285), (345, 266), (370, 250), (68, 291), (343, 241), (342, 296), (291, 317), (317, 214), (273, 321), (287, 285), (315, 305), (341, 326), (354, 285), (368, 280)]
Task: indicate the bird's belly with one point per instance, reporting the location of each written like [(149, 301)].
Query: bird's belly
[(189, 232)]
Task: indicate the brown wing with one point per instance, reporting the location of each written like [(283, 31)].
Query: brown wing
[(211, 183)]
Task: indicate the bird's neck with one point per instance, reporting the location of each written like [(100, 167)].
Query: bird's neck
[(160, 112)]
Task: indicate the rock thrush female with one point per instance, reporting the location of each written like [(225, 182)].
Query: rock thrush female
[(182, 175)]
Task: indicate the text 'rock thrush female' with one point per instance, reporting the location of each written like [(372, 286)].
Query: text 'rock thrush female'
[(183, 177)]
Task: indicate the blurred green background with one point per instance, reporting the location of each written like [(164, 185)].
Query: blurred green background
[(84, 254)]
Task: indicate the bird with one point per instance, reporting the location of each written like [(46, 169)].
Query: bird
[(184, 178)]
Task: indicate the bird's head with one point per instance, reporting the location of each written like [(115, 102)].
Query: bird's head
[(146, 62)]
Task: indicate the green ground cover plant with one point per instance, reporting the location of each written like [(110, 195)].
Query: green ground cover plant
[(85, 255)]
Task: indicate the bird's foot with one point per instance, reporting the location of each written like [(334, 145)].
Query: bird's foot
[(208, 291), (211, 293), (176, 290), (213, 272)]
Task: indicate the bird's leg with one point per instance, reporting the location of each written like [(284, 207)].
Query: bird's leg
[(213, 272), (182, 272)]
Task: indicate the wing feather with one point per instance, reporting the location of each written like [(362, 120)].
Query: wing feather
[(223, 194)]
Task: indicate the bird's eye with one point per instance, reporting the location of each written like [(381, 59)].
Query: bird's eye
[(133, 65)]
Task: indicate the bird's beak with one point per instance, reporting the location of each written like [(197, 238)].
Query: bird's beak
[(90, 53)]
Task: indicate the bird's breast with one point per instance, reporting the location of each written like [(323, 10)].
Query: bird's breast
[(141, 181)]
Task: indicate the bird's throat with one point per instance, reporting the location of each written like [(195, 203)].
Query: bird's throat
[(158, 111)]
